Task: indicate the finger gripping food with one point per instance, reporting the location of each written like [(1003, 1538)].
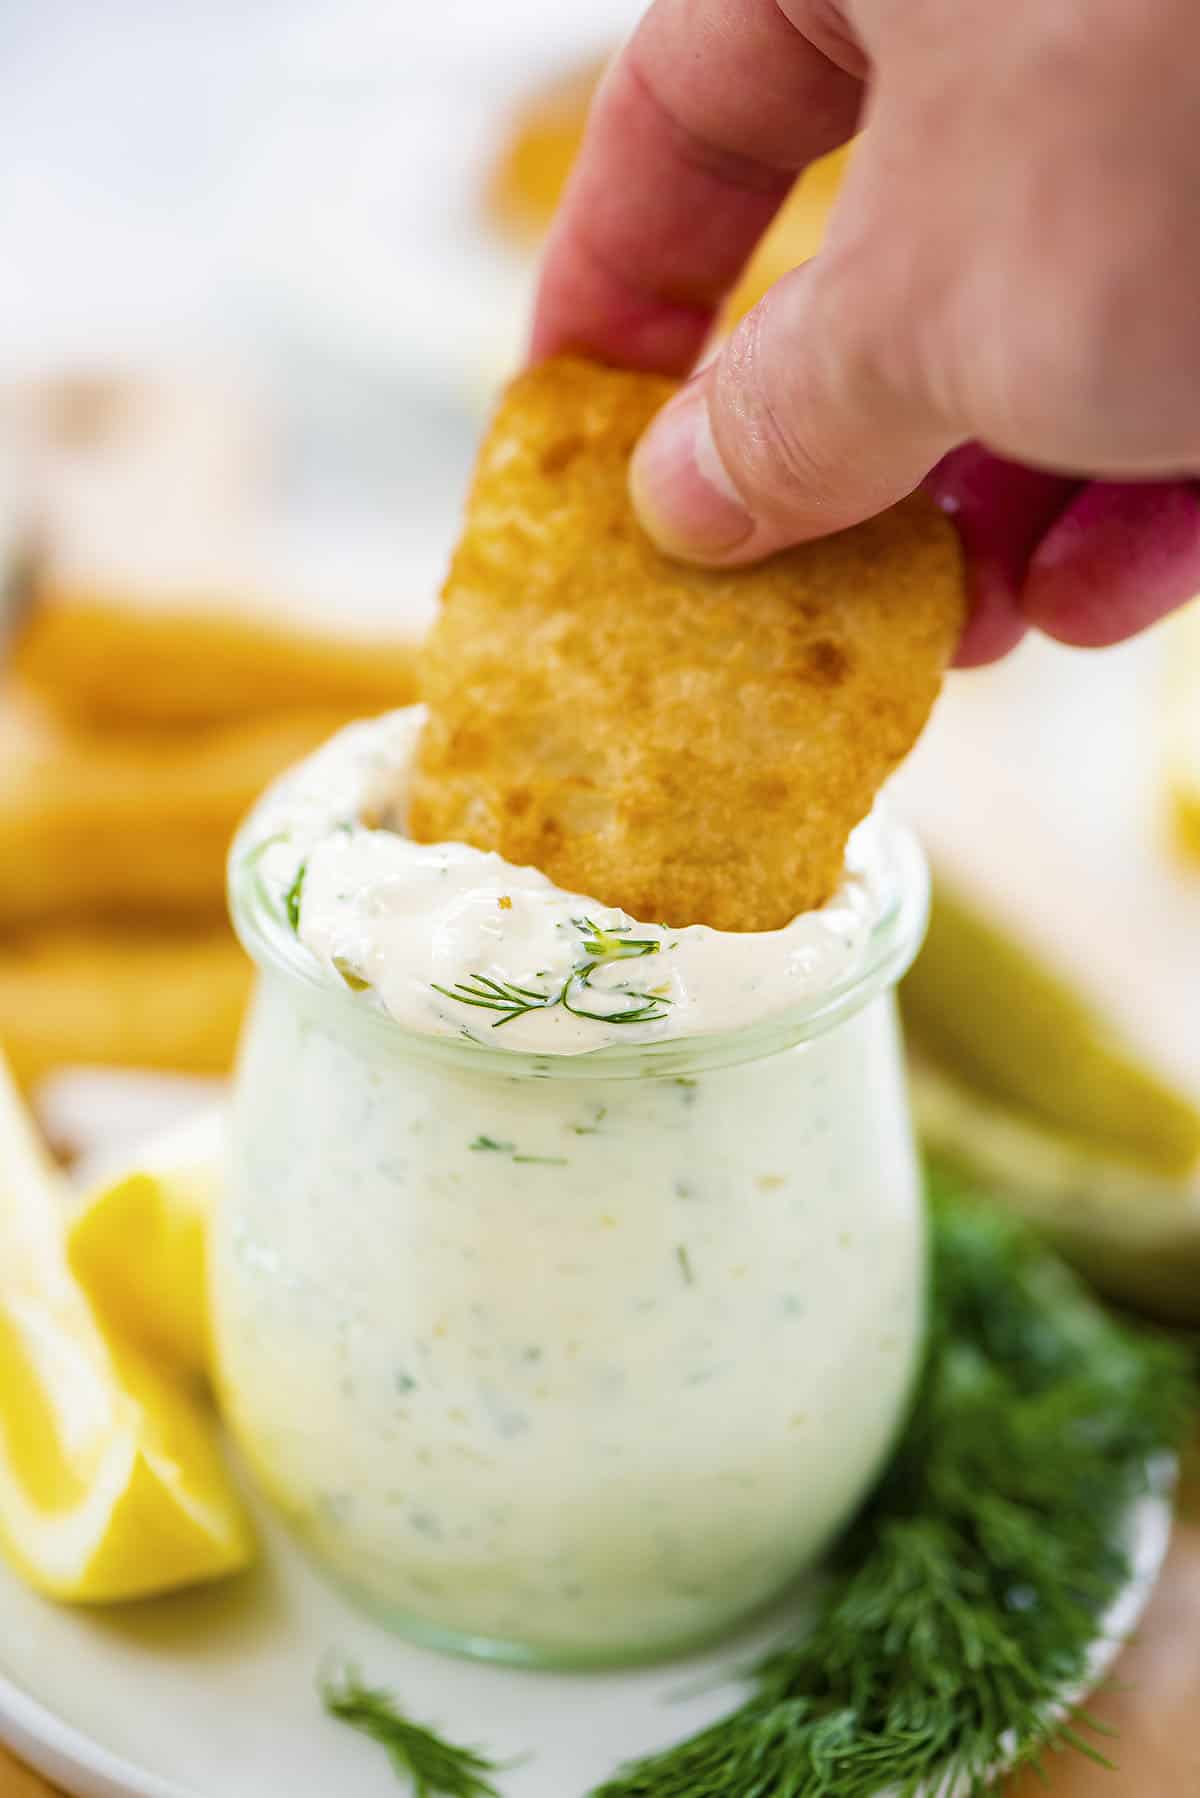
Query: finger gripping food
[(693, 746)]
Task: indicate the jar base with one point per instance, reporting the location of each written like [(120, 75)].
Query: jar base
[(546, 1657)]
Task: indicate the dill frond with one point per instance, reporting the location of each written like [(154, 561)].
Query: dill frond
[(598, 947), (291, 899), (501, 996), (967, 1595), (613, 942), (434, 1767)]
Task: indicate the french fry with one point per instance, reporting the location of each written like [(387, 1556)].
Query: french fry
[(168, 588), (114, 999), (128, 824), (112, 662)]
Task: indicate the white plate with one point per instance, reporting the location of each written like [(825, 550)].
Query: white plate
[(211, 1695)]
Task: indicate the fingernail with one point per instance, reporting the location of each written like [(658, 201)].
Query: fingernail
[(681, 489)]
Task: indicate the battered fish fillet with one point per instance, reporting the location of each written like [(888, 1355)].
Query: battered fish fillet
[(692, 746)]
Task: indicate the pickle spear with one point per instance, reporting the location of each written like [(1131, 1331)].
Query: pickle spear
[(111, 1480)]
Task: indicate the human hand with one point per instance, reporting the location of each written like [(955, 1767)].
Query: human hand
[(1014, 261)]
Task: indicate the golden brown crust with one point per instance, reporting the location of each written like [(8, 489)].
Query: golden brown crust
[(693, 746)]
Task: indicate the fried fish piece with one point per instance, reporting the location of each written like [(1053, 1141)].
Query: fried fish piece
[(691, 745)]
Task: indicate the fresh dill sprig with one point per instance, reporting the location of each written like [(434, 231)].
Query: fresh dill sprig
[(497, 995), (434, 1767), (599, 946), (647, 1008), (967, 1595), (613, 942), (291, 899)]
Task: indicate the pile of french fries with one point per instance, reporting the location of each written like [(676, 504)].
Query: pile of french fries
[(136, 728)]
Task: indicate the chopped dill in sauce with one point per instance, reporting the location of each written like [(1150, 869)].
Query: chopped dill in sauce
[(291, 899), (493, 1145)]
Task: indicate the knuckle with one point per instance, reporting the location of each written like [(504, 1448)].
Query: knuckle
[(1082, 388), (1083, 361)]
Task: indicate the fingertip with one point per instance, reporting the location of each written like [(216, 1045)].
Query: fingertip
[(583, 308), (1119, 558), (1000, 509), (994, 624)]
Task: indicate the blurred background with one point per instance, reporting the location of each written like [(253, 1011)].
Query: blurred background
[(264, 267)]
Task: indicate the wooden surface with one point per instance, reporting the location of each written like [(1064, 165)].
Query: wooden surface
[(1153, 1699), (16, 1782)]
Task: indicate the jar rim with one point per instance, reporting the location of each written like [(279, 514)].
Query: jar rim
[(895, 936)]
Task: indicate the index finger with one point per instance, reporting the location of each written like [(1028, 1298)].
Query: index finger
[(697, 133)]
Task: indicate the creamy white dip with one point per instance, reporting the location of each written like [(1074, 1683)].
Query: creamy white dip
[(573, 1368), (418, 923)]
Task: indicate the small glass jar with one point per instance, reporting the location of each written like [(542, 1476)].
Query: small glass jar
[(568, 1360)]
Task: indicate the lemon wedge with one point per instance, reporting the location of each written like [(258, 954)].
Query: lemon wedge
[(138, 1244), (111, 1482)]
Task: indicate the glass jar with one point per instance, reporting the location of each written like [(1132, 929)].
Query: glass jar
[(568, 1360)]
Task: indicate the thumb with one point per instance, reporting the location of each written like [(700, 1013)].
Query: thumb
[(810, 419)]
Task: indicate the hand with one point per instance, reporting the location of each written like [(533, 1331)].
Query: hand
[(1014, 261)]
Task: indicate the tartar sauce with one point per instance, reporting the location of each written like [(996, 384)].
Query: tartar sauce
[(452, 940)]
